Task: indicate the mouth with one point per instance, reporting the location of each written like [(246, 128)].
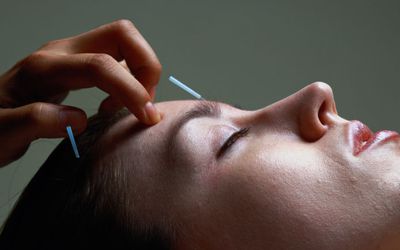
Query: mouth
[(362, 138)]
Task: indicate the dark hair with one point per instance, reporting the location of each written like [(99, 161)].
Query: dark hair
[(73, 203)]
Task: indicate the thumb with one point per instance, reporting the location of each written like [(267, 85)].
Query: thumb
[(43, 120)]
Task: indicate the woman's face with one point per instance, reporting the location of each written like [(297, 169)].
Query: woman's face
[(288, 178)]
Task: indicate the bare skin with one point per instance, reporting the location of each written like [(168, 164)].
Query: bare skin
[(292, 182), (113, 57)]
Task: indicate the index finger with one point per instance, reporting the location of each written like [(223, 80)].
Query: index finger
[(122, 40)]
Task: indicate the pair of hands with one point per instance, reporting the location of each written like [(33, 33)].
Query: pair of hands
[(113, 57)]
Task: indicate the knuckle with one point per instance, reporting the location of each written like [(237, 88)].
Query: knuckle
[(32, 64), (97, 63), (34, 58), (36, 112), (124, 26), (52, 43)]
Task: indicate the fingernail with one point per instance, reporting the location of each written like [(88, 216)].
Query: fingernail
[(153, 116), (73, 118)]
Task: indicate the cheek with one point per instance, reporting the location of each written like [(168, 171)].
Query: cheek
[(270, 181), (296, 190), (283, 172), (282, 189)]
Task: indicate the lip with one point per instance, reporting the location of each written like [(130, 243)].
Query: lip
[(362, 138)]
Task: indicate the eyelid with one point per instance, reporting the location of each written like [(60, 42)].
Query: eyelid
[(232, 139)]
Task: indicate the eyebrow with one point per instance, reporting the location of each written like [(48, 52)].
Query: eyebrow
[(200, 110)]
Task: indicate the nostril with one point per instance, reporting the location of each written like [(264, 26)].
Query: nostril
[(318, 112), (322, 113), (312, 120), (327, 112)]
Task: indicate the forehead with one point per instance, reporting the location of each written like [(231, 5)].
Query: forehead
[(170, 111), (129, 126), (128, 140)]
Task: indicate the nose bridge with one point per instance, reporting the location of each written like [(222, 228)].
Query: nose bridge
[(308, 112)]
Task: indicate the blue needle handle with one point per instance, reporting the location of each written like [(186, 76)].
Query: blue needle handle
[(72, 139), (184, 87)]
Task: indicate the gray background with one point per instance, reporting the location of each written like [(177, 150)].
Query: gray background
[(249, 53)]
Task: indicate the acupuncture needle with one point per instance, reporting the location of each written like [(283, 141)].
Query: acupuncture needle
[(185, 87), (171, 79), (72, 139)]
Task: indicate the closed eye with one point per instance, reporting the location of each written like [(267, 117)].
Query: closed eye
[(231, 140)]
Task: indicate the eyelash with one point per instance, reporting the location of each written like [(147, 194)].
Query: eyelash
[(232, 139)]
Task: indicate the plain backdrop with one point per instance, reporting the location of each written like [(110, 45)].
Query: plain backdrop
[(249, 53)]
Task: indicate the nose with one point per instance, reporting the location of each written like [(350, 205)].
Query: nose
[(309, 112)]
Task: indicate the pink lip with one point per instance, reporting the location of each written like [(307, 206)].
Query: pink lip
[(363, 138)]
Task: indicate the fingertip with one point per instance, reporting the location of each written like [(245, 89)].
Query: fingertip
[(152, 115), (75, 118)]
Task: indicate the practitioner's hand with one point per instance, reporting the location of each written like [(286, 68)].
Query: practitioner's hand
[(114, 57)]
